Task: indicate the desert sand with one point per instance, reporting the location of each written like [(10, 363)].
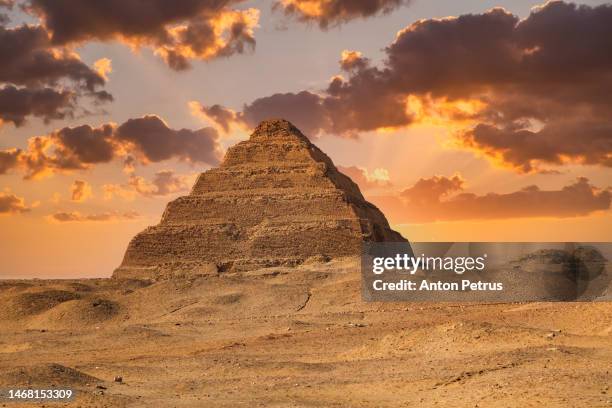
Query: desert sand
[(296, 337), (248, 293)]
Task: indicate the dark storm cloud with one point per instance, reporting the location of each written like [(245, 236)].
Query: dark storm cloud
[(548, 76), (147, 139), (440, 199), (177, 31), (334, 12)]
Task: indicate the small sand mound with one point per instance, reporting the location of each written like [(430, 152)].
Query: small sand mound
[(75, 314), (33, 303), (48, 375)]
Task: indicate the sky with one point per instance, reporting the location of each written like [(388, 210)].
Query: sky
[(461, 120)]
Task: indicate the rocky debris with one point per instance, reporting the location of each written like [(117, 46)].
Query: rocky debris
[(276, 200)]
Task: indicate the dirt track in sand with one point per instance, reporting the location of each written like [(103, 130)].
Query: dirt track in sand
[(297, 338)]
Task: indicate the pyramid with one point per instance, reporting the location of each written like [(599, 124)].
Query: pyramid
[(276, 199)]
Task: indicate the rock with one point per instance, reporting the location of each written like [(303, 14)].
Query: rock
[(118, 379), (275, 200)]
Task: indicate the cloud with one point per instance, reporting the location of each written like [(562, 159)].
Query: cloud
[(152, 140), (9, 159), (378, 178), (164, 183), (80, 191), (143, 140), (431, 190), (441, 198), (118, 190), (103, 67), (353, 60), (565, 141), (177, 31), (12, 204), (328, 13), (304, 109), (492, 78), (75, 216), (29, 58), (16, 104), (40, 79), (225, 119)]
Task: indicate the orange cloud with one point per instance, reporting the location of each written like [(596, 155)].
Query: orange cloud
[(103, 67), (12, 204), (367, 180), (440, 198), (528, 93), (565, 142), (352, 60), (75, 216), (178, 32), (226, 120), (80, 191), (147, 139), (334, 12), (164, 183)]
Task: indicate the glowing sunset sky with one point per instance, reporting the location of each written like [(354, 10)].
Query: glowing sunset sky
[(461, 120)]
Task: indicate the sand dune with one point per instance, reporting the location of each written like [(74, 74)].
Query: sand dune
[(298, 337)]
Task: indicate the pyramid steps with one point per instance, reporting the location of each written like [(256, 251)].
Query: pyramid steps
[(260, 204), (276, 199)]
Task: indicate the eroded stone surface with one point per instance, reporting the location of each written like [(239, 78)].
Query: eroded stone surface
[(276, 199)]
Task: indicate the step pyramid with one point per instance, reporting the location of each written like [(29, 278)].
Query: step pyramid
[(276, 199)]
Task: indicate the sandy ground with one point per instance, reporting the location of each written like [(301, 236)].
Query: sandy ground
[(296, 338)]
